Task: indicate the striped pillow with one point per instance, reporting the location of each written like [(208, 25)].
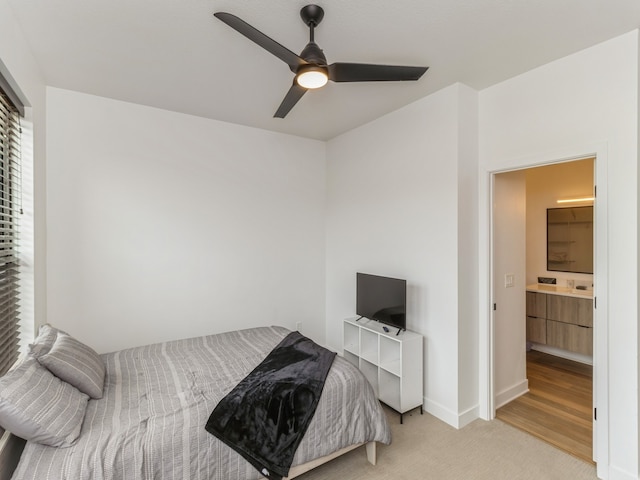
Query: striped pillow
[(37, 406), (75, 363), (43, 343)]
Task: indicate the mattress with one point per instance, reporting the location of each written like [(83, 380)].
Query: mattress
[(157, 399)]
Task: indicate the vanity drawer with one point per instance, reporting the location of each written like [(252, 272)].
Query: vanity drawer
[(574, 338), (536, 304), (578, 311), (536, 330)]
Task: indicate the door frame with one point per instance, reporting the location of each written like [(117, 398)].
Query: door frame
[(600, 281)]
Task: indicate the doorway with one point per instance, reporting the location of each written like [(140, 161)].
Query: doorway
[(519, 256)]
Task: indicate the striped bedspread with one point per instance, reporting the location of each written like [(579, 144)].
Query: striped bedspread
[(157, 398)]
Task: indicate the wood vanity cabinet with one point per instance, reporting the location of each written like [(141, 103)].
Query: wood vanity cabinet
[(560, 321), (577, 311), (570, 323), (537, 317)]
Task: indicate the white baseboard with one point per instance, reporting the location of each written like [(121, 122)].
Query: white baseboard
[(511, 393), (455, 419), (558, 352), (465, 418), (441, 412), (618, 474)]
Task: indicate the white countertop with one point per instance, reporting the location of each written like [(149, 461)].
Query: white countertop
[(558, 290)]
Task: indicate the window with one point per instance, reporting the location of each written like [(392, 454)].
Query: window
[(10, 209)]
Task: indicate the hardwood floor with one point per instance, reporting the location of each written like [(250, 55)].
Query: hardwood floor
[(558, 406)]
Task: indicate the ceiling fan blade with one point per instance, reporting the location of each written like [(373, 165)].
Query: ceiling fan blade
[(363, 72), (256, 36), (294, 94)]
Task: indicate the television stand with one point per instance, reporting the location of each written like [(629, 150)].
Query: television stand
[(402, 414), (391, 363)]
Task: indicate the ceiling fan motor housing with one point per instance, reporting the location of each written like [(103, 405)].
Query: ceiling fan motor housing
[(312, 53), (312, 15)]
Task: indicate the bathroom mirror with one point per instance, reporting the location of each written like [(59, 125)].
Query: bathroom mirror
[(570, 239)]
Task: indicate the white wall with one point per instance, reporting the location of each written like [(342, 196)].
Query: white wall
[(468, 131), (577, 105), (393, 210), (19, 67), (164, 226)]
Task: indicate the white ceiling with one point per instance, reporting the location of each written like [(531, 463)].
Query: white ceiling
[(174, 55)]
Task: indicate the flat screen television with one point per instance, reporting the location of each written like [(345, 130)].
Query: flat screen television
[(383, 299)]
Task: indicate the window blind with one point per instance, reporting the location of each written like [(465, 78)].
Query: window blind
[(10, 206)]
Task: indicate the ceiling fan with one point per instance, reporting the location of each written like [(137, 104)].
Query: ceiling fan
[(310, 67)]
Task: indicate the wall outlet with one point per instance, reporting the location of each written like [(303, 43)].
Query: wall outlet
[(299, 326), (509, 280)]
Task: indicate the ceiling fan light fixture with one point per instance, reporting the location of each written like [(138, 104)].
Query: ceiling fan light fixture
[(312, 77), (310, 67)]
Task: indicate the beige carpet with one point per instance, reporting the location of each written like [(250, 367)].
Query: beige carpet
[(426, 448)]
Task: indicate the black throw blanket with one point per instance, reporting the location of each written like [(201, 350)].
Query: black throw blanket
[(266, 415)]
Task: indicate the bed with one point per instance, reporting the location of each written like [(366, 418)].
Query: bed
[(149, 423)]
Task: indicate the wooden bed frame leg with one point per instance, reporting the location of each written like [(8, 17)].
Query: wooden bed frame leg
[(305, 467), (371, 452)]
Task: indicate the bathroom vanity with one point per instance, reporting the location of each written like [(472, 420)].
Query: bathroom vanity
[(560, 317)]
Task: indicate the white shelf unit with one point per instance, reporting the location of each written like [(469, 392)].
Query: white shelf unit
[(392, 363)]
